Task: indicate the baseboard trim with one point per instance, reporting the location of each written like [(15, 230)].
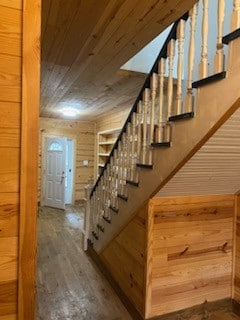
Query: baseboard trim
[(120, 293)]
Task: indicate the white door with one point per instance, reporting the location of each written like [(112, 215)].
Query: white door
[(55, 172), (69, 172)]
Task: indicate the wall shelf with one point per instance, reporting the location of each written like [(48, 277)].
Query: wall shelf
[(105, 143)]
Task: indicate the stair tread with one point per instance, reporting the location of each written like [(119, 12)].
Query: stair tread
[(231, 36), (210, 79), (144, 166), (95, 235), (121, 196), (101, 228), (106, 219), (161, 144), (114, 209), (183, 116), (133, 183)]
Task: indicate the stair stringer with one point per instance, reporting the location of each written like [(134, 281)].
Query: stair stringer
[(215, 103)]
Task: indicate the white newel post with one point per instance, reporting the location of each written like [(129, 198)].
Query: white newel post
[(88, 212)]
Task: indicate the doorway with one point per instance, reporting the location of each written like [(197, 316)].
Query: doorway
[(57, 187)]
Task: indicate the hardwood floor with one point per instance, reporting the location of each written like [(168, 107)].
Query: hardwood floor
[(69, 285)]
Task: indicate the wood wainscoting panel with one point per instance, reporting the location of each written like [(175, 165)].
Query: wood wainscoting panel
[(125, 259), (190, 252)]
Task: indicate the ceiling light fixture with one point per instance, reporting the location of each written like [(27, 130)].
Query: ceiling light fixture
[(70, 112)]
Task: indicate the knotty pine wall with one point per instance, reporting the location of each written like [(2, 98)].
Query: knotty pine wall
[(10, 108), (84, 134), (125, 259), (190, 241), (112, 120)]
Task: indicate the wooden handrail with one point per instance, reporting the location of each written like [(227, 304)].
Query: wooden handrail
[(162, 54)]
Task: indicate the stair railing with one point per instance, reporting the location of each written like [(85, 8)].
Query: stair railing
[(161, 100)]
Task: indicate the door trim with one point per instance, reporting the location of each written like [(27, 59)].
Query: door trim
[(29, 158), (43, 161)]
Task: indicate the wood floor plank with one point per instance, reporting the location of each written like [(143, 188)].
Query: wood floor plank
[(68, 284)]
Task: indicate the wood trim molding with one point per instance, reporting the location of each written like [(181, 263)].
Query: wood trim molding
[(29, 157)]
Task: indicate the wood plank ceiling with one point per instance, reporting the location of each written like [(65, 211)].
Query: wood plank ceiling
[(85, 42)]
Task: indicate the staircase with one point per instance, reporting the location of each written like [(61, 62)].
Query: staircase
[(163, 131)]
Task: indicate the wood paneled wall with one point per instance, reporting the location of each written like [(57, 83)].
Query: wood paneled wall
[(125, 259), (84, 134), (190, 242), (236, 289), (112, 120), (10, 109)]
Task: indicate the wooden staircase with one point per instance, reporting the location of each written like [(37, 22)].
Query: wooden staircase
[(161, 132)]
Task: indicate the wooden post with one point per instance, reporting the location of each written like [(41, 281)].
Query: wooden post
[(171, 53), (153, 96), (139, 129), (105, 195), (235, 19), (203, 66), (123, 161), (220, 57), (191, 57), (109, 190), (112, 180), (115, 178), (181, 38), (146, 96), (161, 72), (133, 156), (128, 156), (154, 78)]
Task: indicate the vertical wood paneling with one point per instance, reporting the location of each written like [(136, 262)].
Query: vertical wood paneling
[(125, 259), (29, 158), (10, 109), (190, 250)]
